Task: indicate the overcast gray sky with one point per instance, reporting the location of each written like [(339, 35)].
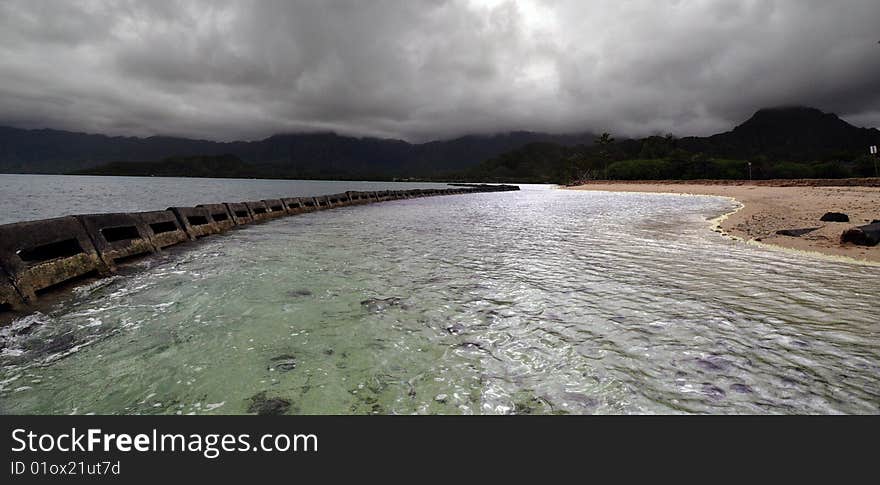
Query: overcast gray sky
[(430, 69)]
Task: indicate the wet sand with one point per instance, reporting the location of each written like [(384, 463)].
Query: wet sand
[(768, 208)]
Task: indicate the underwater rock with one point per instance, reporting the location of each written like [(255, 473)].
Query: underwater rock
[(581, 400), (381, 304), (268, 406), (60, 344), (283, 363), (472, 345), (713, 363), (741, 388), (713, 392)]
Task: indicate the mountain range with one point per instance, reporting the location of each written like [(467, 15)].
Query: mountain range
[(788, 133), (794, 134), (305, 155), (787, 142)]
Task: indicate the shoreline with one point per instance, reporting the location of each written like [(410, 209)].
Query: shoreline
[(766, 208)]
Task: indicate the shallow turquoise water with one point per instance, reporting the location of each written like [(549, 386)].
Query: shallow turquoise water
[(539, 301)]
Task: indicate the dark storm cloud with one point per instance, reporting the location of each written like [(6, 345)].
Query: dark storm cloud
[(433, 68)]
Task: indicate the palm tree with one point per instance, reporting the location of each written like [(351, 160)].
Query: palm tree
[(603, 141)]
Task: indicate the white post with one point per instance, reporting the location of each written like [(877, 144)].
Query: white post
[(873, 151)]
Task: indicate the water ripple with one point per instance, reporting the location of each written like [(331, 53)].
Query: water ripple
[(542, 301)]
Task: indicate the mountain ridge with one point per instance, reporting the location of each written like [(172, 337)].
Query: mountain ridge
[(783, 142), (786, 133), (58, 151)]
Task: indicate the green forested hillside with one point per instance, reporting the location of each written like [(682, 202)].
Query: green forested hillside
[(778, 143)]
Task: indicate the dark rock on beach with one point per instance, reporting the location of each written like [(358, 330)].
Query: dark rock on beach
[(264, 406), (835, 217), (863, 235), (796, 232)]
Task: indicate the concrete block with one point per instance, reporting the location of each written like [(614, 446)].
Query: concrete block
[(239, 212), (361, 197), (322, 202), (309, 204), (338, 200), (196, 221), (220, 215), (118, 236), (259, 211), (39, 255), (275, 208), (294, 205), (163, 228)]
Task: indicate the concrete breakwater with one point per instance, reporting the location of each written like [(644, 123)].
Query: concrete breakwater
[(41, 256)]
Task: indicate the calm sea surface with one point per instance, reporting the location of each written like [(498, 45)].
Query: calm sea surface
[(538, 301), (29, 197)]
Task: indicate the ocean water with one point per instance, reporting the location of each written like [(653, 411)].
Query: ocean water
[(30, 197), (538, 301)]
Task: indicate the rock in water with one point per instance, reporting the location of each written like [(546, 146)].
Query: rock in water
[(834, 217), (741, 388), (268, 407), (283, 363), (863, 235), (380, 304), (714, 392)]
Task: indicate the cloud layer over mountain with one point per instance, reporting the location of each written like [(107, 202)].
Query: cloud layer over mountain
[(432, 68)]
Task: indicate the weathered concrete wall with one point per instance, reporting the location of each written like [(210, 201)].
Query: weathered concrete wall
[(163, 228), (10, 299), (39, 255), (322, 202), (294, 205), (357, 198), (338, 200), (275, 208), (117, 236), (259, 211), (196, 221), (240, 213), (310, 204), (220, 215)]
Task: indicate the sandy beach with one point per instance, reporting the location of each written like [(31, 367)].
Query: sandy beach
[(769, 207)]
